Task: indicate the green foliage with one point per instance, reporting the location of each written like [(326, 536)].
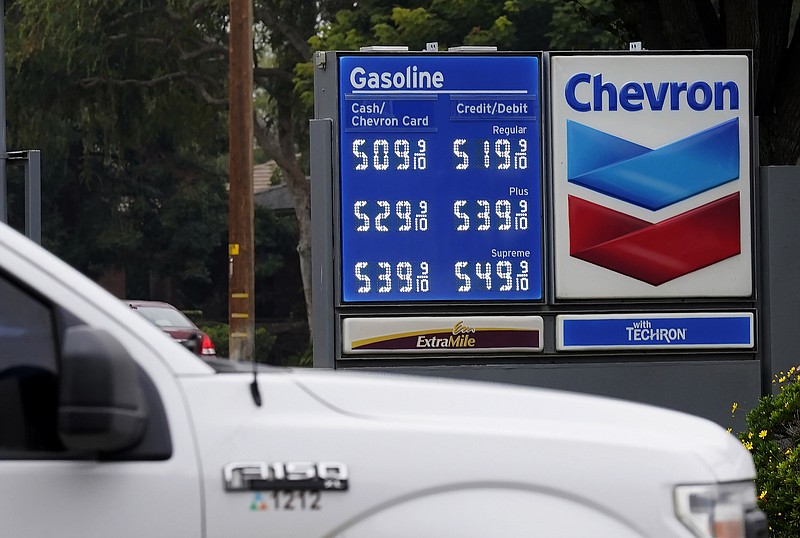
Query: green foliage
[(129, 146), (279, 290), (510, 25), (306, 359), (291, 348), (772, 436), (220, 335), (275, 240), (263, 344), (195, 315), (513, 25), (585, 25)]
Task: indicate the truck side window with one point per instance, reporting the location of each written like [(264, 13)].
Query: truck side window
[(28, 376)]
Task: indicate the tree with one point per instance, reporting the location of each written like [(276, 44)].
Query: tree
[(511, 25), (281, 128), (585, 25), (113, 52), (128, 182), (768, 27)]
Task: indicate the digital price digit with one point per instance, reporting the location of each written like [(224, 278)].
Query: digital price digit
[(385, 215), (500, 154), (385, 277), (502, 275), (484, 215), (382, 154)]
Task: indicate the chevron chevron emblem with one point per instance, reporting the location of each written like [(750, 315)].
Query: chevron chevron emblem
[(654, 252)]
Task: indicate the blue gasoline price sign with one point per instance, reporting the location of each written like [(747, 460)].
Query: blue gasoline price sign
[(440, 178)]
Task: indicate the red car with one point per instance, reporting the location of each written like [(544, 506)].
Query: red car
[(173, 322)]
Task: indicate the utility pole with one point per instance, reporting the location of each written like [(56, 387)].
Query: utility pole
[(241, 285)]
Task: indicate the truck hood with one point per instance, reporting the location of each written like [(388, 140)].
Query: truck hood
[(492, 408), (408, 439)]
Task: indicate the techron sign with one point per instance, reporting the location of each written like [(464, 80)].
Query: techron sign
[(652, 175)]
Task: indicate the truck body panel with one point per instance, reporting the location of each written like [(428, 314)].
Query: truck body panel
[(327, 453)]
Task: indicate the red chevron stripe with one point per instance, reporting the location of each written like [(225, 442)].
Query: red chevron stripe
[(655, 253)]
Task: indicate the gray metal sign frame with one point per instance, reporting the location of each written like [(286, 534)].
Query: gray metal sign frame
[(701, 381)]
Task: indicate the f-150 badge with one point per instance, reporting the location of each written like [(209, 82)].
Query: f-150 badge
[(306, 476)]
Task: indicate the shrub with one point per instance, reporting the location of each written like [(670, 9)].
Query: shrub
[(772, 435), (219, 334), (263, 344)]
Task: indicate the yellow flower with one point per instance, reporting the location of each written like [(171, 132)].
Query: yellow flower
[(748, 445), (749, 435), (762, 495), (782, 379), (729, 430), (733, 409), (762, 433)]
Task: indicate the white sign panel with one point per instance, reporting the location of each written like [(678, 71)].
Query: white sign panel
[(651, 175), (442, 334)]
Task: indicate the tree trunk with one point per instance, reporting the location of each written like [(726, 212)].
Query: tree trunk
[(780, 122), (682, 25), (280, 148), (300, 187)]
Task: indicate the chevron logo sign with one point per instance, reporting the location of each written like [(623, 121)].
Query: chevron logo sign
[(653, 179)]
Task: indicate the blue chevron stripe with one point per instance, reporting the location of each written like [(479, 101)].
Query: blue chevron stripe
[(609, 149), (656, 178)]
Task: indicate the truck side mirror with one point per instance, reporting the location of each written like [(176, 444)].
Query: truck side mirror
[(101, 404)]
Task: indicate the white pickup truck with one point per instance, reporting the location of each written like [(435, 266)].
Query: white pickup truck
[(109, 428)]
